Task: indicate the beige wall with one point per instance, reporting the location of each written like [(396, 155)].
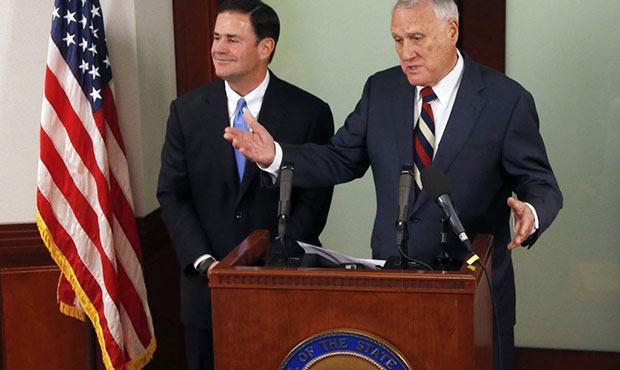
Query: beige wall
[(157, 78), (23, 48), (568, 55), (141, 46), (331, 53)]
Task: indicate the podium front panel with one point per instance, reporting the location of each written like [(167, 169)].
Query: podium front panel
[(435, 320)]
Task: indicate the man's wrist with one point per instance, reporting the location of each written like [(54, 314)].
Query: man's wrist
[(274, 167), (203, 266)]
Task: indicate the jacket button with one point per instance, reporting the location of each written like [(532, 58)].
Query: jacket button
[(239, 215), (414, 220)]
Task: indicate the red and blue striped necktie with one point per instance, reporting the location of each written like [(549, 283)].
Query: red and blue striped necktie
[(424, 137)]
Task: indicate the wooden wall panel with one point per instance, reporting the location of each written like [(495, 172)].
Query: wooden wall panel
[(193, 31), (35, 335), (483, 31), (162, 274), (554, 359)]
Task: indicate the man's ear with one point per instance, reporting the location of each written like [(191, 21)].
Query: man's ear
[(265, 47), (453, 30)]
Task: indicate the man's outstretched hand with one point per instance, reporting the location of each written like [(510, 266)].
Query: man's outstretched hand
[(524, 222), (256, 145)]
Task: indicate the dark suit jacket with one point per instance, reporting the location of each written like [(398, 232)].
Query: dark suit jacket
[(205, 209), (490, 148)]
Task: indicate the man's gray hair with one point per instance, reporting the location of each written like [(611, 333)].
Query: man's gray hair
[(444, 9)]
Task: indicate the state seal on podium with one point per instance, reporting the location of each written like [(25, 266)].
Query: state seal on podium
[(345, 349)]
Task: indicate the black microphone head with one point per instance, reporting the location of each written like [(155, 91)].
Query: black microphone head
[(287, 166), (286, 185), (404, 189), (434, 182), (286, 177), (406, 178)]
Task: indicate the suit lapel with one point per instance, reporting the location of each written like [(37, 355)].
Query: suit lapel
[(216, 118), (271, 117), (463, 118), (467, 108)]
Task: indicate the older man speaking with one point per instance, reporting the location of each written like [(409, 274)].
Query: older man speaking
[(477, 125)]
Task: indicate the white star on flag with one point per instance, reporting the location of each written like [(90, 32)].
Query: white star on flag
[(69, 39), (70, 17), (107, 61), (94, 30), (94, 72), (95, 12), (84, 20), (95, 94), (55, 13), (84, 44), (93, 49), (84, 66)]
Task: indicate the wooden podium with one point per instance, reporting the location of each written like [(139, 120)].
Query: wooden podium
[(434, 320)]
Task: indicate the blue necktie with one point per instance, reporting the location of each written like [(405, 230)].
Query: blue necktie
[(240, 123)]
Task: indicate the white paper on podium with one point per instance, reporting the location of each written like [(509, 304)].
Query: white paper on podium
[(339, 258)]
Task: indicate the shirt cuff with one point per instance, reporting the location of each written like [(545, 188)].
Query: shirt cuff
[(274, 167), (200, 259), (536, 224)]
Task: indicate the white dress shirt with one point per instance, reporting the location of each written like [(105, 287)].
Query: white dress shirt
[(254, 99)]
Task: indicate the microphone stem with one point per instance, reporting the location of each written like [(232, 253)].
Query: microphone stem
[(403, 247), (444, 237)]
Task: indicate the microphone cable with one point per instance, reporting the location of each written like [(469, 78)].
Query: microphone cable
[(470, 263)]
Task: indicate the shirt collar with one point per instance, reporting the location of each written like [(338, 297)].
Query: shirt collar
[(445, 88), (254, 99)]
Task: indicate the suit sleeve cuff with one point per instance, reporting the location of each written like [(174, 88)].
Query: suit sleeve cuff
[(200, 259)]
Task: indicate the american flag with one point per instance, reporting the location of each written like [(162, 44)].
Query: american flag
[(84, 202)]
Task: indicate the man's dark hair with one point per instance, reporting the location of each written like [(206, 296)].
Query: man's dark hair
[(263, 18)]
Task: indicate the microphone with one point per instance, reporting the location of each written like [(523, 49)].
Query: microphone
[(404, 191), (435, 184), (284, 208), (402, 234)]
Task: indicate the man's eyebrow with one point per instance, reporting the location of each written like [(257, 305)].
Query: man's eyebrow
[(407, 33), (413, 33), (228, 35)]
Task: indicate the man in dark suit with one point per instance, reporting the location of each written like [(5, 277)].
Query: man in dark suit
[(478, 126), (210, 199)]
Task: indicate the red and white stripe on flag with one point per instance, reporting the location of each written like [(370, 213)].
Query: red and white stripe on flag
[(84, 202)]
